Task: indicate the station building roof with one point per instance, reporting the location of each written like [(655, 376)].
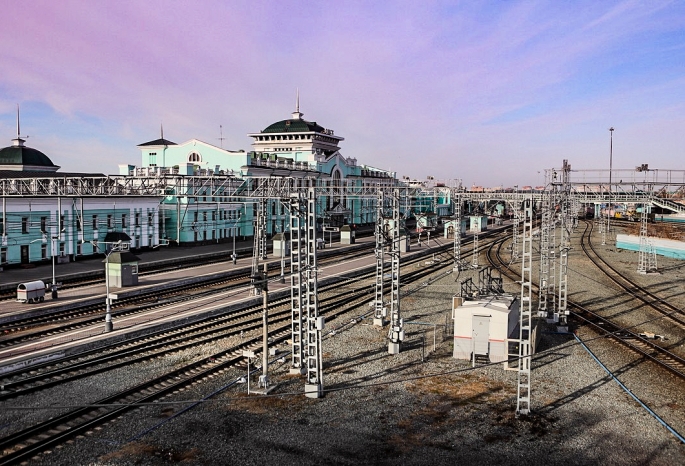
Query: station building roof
[(19, 157), (158, 142), (294, 126)]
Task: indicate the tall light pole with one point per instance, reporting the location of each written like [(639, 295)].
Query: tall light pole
[(115, 247), (53, 287), (611, 157), (235, 231)]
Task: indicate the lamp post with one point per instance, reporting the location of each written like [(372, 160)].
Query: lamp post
[(115, 246), (611, 157), (235, 231), (53, 286)]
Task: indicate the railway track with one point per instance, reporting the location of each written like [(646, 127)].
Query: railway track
[(648, 349), (25, 444), (641, 293), (17, 331)]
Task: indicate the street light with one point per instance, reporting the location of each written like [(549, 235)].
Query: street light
[(611, 156), (53, 286), (117, 246), (235, 230)]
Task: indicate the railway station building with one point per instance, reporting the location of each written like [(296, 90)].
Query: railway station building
[(34, 228)]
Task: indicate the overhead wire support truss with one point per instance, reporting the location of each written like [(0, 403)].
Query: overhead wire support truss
[(396, 330), (380, 311), (457, 233), (546, 218), (297, 253), (565, 243), (315, 323), (525, 315), (259, 248)]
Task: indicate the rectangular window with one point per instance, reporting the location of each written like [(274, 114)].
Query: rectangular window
[(44, 224), (2, 226), (3, 255), (123, 221), (213, 215), (78, 249), (61, 249), (79, 223), (44, 251), (24, 225), (153, 159), (95, 222), (110, 221), (137, 217), (61, 223), (149, 219)]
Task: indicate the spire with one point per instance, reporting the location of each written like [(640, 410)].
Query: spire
[(18, 141), (297, 115)]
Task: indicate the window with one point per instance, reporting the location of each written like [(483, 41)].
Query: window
[(24, 225), (44, 251), (153, 159), (149, 219), (3, 255), (2, 226), (194, 157), (110, 221), (44, 224), (61, 249), (95, 222), (78, 249), (79, 222), (123, 221), (61, 223), (213, 215), (137, 217)]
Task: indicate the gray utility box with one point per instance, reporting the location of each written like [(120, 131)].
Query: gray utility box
[(122, 269), (31, 292), (281, 244), (346, 235)]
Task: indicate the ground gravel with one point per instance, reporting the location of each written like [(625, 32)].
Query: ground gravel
[(418, 407)]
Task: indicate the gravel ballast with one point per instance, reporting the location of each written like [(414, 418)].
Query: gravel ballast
[(417, 407)]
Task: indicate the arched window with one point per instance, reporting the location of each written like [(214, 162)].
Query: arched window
[(194, 157)]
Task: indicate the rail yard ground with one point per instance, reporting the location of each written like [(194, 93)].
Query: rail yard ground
[(418, 407)]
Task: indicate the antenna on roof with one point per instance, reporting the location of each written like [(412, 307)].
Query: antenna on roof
[(221, 138), (296, 114), (18, 141), (161, 130)]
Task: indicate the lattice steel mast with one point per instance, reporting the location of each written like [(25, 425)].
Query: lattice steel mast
[(546, 219), (396, 330), (565, 243), (298, 216), (523, 385), (314, 386), (380, 311)]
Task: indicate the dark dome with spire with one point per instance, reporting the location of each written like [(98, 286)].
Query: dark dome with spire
[(294, 126), (19, 157)]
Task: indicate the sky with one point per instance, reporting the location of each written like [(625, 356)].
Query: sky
[(489, 92)]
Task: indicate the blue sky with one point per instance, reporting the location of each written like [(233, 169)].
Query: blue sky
[(487, 92)]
